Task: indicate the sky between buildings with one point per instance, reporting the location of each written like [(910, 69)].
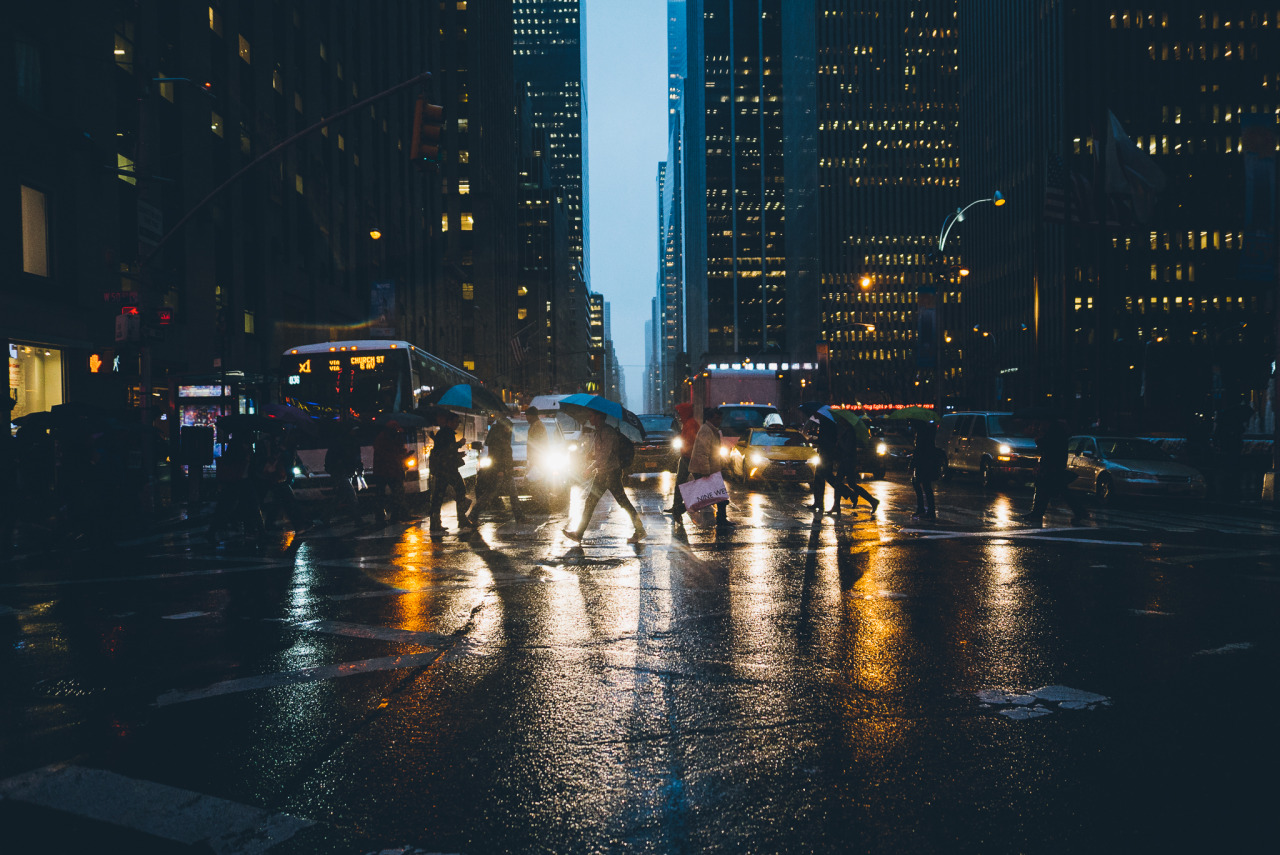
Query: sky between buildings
[(626, 138)]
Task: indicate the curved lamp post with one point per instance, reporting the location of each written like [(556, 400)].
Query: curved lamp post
[(957, 216)]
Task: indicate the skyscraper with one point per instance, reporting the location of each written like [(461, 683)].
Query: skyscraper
[(1123, 270), (885, 105), (550, 57), (734, 179)]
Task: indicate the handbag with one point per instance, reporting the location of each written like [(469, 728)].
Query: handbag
[(701, 492)]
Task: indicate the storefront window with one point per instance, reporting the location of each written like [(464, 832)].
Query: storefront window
[(35, 377)]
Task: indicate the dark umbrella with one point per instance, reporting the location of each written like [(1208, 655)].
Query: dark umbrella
[(811, 407), (467, 397), (290, 417), (581, 406), (405, 420), (244, 422)]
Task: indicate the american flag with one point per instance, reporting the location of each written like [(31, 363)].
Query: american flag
[(519, 349), (1055, 189)]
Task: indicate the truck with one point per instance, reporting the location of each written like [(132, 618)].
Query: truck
[(746, 396), (712, 387)]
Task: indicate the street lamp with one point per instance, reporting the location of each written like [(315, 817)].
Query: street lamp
[(957, 216)]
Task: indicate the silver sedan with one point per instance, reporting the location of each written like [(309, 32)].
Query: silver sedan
[(1110, 466)]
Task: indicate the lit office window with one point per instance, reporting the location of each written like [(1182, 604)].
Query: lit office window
[(35, 233), (466, 221), (244, 50)]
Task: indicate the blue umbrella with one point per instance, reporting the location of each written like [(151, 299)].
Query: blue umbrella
[(582, 405), (467, 397)]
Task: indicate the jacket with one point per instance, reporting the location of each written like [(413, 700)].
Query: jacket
[(688, 429), (705, 457), (389, 453)]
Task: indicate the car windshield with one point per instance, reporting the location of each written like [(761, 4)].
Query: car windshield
[(738, 420), (656, 424), (1130, 449), (1006, 426), (780, 437), (520, 431)]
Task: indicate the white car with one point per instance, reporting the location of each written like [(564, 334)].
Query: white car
[(1109, 466)]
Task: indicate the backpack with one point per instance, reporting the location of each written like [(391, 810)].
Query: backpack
[(626, 451)]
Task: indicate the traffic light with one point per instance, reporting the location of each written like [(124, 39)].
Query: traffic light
[(428, 124)]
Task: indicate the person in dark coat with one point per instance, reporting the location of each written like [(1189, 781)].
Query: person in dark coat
[(924, 469), (499, 478), (848, 472), (343, 463), (607, 478), (1052, 477), (445, 460), (828, 450), (688, 435), (389, 453)]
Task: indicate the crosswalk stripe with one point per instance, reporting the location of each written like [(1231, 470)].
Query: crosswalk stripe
[(170, 813), (299, 676), (378, 633), (145, 577)]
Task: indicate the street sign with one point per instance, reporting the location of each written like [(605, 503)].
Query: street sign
[(128, 327)]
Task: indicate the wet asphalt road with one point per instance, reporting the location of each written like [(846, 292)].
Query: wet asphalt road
[(970, 685)]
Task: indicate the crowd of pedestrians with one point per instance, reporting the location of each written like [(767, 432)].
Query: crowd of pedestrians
[(58, 471)]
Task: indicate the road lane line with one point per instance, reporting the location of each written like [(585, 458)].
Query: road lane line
[(146, 577), (378, 633), (170, 813), (302, 675)]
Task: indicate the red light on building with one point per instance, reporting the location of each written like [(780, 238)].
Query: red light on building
[(164, 317), (128, 310)]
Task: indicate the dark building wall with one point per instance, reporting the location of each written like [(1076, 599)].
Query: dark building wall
[(1154, 294), (282, 257)]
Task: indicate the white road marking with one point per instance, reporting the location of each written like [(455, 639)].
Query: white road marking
[(379, 633), (302, 675), (146, 577), (184, 616), (1237, 647), (187, 817), (1220, 556)]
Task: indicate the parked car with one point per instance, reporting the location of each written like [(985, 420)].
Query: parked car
[(656, 453), (988, 444), (772, 454), (1109, 466)]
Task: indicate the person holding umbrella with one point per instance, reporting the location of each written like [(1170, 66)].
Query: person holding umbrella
[(607, 464), (445, 460), (848, 473)]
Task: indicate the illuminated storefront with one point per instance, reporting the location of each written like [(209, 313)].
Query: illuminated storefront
[(37, 377)]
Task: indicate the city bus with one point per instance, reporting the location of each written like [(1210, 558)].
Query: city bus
[(369, 382)]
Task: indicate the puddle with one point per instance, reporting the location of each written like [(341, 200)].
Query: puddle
[(1020, 706)]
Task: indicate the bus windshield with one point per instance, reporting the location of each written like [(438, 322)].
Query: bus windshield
[(346, 385)]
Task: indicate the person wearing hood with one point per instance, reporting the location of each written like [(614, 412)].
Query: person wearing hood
[(688, 435)]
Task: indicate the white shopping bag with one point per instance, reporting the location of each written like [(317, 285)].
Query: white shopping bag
[(704, 491)]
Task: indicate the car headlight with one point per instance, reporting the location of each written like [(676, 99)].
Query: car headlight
[(677, 443), (559, 461), (1005, 449), (724, 452), (757, 460), (297, 470), (882, 448), (485, 462), (815, 460), (411, 463)]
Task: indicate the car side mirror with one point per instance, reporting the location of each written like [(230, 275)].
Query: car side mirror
[(1087, 454), (477, 445)]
